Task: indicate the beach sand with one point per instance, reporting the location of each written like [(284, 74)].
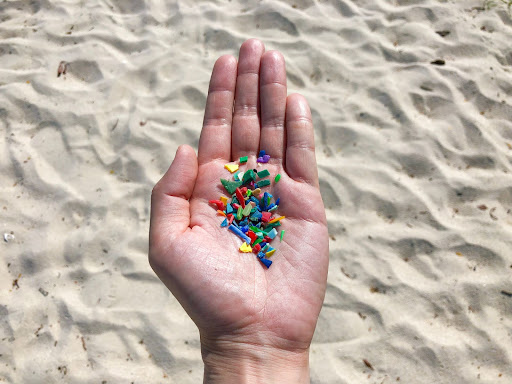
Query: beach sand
[(412, 105)]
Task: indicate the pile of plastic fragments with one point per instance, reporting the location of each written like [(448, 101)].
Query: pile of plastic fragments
[(249, 213)]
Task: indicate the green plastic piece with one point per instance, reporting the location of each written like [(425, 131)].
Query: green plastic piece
[(282, 234), (263, 173), (247, 210), (248, 193), (257, 241), (254, 229), (278, 177), (230, 186), (276, 224), (239, 213), (274, 208), (263, 183), (248, 176), (243, 159)]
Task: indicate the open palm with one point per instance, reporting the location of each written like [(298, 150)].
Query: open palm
[(230, 295)]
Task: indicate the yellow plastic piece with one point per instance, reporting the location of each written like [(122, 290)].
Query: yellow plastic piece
[(224, 200), (270, 253), (276, 219), (231, 167), (245, 248)]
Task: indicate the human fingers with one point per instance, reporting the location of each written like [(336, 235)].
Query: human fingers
[(300, 141), (170, 213), (215, 140), (246, 122), (273, 104)]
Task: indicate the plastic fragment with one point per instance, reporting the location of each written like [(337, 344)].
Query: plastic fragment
[(239, 213), (224, 223), (256, 191), (282, 235), (230, 186), (265, 216), (272, 234), (276, 219), (229, 209), (231, 167), (263, 159), (266, 262), (245, 248), (277, 178), (230, 219), (247, 210), (257, 241), (251, 235), (218, 203), (243, 159), (262, 153), (224, 200), (263, 183), (240, 197), (239, 233), (221, 213), (263, 173), (256, 248), (248, 176), (270, 253)]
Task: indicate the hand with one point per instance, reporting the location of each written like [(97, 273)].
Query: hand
[(253, 321)]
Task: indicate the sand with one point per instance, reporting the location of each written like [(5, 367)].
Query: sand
[(414, 160)]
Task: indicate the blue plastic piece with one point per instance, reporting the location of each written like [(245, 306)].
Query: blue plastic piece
[(277, 201), (266, 262), (262, 153), (229, 209), (252, 198), (224, 223), (260, 255), (272, 234), (239, 233), (245, 228)]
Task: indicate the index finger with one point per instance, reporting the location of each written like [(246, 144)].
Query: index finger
[(215, 140)]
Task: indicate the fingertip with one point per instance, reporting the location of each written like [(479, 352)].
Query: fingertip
[(273, 68), (297, 108), (179, 180), (254, 45), (226, 61)]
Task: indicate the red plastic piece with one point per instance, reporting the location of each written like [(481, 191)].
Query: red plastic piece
[(235, 206), (265, 216), (240, 197), (252, 235), (267, 239), (244, 190), (220, 205), (230, 218), (256, 248)]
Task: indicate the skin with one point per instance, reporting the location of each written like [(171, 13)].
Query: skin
[(256, 324)]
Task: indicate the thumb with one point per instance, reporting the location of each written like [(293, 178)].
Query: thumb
[(170, 208)]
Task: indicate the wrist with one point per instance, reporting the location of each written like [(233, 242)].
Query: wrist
[(234, 362)]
